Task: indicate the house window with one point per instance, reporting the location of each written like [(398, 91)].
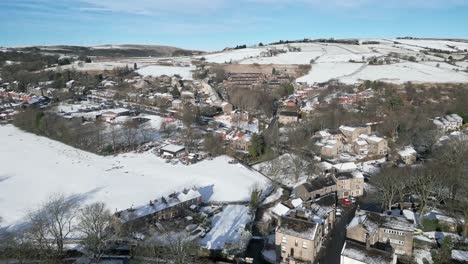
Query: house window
[(283, 248), (295, 243), (304, 244), (394, 241), (284, 240)]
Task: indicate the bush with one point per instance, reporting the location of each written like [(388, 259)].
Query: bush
[(430, 225)]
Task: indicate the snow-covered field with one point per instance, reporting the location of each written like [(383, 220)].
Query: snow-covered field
[(158, 70), (94, 66), (285, 58), (332, 60), (407, 71), (322, 72), (233, 55), (435, 44), (35, 167)]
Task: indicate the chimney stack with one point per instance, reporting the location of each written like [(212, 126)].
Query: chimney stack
[(368, 245)]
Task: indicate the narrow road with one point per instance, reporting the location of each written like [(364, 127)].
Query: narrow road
[(331, 248)]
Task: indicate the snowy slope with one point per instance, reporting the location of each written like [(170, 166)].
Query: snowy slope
[(322, 72), (435, 44), (407, 71), (285, 58), (234, 55), (35, 167), (158, 70)]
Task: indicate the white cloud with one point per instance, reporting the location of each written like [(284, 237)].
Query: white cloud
[(204, 7), (155, 7)]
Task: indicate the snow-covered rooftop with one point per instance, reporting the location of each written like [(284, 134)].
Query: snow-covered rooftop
[(228, 227), (343, 167), (360, 253), (407, 151), (460, 255)]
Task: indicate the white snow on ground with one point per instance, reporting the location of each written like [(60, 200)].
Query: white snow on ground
[(233, 55), (35, 167), (274, 196), (228, 227), (94, 66), (406, 71), (443, 65), (422, 256), (435, 44), (463, 64), (282, 169), (159, 70), (285, 58), (324, 71)]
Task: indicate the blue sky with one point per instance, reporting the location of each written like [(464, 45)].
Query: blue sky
[(215, 24)]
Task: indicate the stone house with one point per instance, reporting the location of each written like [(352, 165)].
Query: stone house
[(448, 122), (315, 188), (297, 240), (288, 117), (349, 184), (351, 134), (325, 209), (407, 155), (382, 231), (241, 141), (164, 208), (377, 145)]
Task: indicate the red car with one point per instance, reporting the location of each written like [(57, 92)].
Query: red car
[(346, 202)]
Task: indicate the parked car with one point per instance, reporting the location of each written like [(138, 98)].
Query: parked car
[(345, 202), (338, 212)]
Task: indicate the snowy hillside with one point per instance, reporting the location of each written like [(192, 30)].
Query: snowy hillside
[(159, 70), (349, 63), (35, 167)]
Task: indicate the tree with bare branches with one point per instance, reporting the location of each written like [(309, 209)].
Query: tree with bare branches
[(94, 222), (53, 223), (386, 183)]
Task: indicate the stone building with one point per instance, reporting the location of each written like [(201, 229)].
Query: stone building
[(164, 208), (349, 184), (297, 240), (383, 231), (315, 188)]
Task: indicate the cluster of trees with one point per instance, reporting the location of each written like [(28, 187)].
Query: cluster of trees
[(442, 178), (258, 146), (405, 113), (258, 101), (61, 220), (28, 61), (241, 47), (89, 136), (214, 144), (52, 225)]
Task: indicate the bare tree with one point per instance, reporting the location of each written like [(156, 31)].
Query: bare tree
[(53, 223), (94, 223), (297, 165), (386, 184), (423, 183), (181, 248), (452, 161), (130, 130)]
